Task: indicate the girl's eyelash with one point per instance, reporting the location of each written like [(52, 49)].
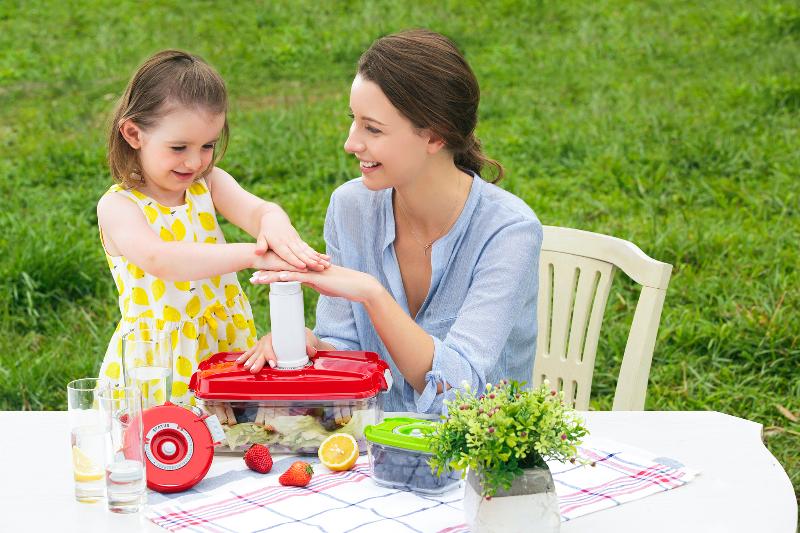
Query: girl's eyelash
[(178, 148), (351, 115)]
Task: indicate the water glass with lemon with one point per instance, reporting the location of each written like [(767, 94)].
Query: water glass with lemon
[(147, 364), (125, 472), (88, 438)]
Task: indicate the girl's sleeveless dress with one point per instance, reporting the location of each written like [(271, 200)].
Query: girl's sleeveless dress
[(200, 317)]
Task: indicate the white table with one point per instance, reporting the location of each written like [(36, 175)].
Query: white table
[(741, 486)]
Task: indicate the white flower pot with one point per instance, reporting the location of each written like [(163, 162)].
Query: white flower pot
[(530, 505)]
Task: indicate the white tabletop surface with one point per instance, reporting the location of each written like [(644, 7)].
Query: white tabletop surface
[(741, 486)]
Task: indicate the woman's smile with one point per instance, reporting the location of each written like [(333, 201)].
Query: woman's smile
[(368, 166)]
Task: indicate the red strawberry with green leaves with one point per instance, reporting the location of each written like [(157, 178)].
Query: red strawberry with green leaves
[(258, 458), (298, 475)]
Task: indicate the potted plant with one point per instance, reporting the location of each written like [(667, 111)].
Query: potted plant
[(502, 438)]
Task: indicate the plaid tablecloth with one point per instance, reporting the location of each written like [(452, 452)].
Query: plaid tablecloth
[(238, 500)]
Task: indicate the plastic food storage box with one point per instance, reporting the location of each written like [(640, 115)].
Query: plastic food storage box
[(399, 453), (292, 411)]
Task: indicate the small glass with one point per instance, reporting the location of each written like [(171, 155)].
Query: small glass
[(87, 437), (125, 479), (147, 364)]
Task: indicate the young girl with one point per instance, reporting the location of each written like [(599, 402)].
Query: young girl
[(173, 271), (443, 281)]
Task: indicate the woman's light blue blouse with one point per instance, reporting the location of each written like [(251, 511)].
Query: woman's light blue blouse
[(481, 305)]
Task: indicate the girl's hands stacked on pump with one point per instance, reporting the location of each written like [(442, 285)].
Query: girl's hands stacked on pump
[(277, 234)]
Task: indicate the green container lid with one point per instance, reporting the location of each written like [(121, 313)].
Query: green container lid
[(405, 433)]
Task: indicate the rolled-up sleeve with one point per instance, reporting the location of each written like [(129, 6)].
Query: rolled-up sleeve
[(504, 283), (336, 322)]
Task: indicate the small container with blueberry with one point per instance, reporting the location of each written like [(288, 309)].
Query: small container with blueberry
[(398, 456)]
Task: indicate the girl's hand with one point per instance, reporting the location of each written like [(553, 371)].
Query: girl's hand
[(272, 261), (276, 233), (334, 281), (262, 353)]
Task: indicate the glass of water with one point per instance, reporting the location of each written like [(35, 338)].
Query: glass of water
[(125, 473), (87, 437), (147, 364)]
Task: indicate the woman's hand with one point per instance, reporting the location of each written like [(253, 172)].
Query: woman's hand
[(334, 281), (276, 233), (262, 353)]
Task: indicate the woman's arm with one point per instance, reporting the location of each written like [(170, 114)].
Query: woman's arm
[(124, 225), (409, 345), (505, 284), (265, 221)]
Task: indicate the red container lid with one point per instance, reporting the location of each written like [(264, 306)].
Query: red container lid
[(340, 375)]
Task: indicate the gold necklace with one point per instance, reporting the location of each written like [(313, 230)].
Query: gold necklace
[(427, 246)]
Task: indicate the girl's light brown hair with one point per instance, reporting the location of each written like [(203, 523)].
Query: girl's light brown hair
[(426, 78), (167, 79)]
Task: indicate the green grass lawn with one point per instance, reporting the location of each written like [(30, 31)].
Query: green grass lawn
[(670, 124)]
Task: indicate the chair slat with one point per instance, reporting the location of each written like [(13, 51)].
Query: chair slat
[(574, 287)]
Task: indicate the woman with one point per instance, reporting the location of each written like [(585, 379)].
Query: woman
[(433, 268)]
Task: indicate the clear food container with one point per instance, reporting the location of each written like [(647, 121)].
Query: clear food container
[(293, 411), (399, 454)]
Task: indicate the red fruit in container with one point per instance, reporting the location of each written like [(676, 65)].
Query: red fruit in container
[(258, 458), (298, 475)]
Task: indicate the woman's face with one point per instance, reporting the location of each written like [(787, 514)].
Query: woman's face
[(390, 150)]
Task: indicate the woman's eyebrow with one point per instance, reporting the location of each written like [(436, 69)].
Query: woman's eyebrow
[(370, 119), (373, 120)]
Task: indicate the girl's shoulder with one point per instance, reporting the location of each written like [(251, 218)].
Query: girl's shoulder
[(118, 191)]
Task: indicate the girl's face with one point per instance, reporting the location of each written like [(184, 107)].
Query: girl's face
[(176, 150), (390, 150)]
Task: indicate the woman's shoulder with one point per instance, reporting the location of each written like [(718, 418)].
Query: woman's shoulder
[(498, 207)]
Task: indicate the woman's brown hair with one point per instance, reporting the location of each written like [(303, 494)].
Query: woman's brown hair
[(166, 79), (427, 79)]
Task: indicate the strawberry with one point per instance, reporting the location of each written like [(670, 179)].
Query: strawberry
[(298, 475), (258, 458)]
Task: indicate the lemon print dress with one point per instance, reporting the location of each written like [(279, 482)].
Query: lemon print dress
[(200, 317)]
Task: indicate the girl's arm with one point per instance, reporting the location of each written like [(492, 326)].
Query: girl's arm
[(125, 229), (265, 221)]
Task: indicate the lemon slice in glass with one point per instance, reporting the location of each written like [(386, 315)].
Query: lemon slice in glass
[(83, 468)]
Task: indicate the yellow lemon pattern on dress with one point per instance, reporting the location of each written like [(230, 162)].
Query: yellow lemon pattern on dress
[(199, 318)]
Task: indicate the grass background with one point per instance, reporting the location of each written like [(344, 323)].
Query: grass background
[(671, 124)]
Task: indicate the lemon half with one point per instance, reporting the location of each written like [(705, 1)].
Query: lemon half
[(338, 452)]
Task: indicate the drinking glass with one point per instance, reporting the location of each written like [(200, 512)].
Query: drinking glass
[(87, 437), (125, 473), (147, 364)]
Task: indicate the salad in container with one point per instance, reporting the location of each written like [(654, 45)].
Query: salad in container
[(293, 410)]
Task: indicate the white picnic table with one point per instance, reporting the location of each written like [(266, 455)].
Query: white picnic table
[(741, 487)]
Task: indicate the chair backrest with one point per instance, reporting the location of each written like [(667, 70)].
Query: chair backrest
[(576, 269)]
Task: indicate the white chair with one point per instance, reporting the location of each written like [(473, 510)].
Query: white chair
[(575, 273)]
